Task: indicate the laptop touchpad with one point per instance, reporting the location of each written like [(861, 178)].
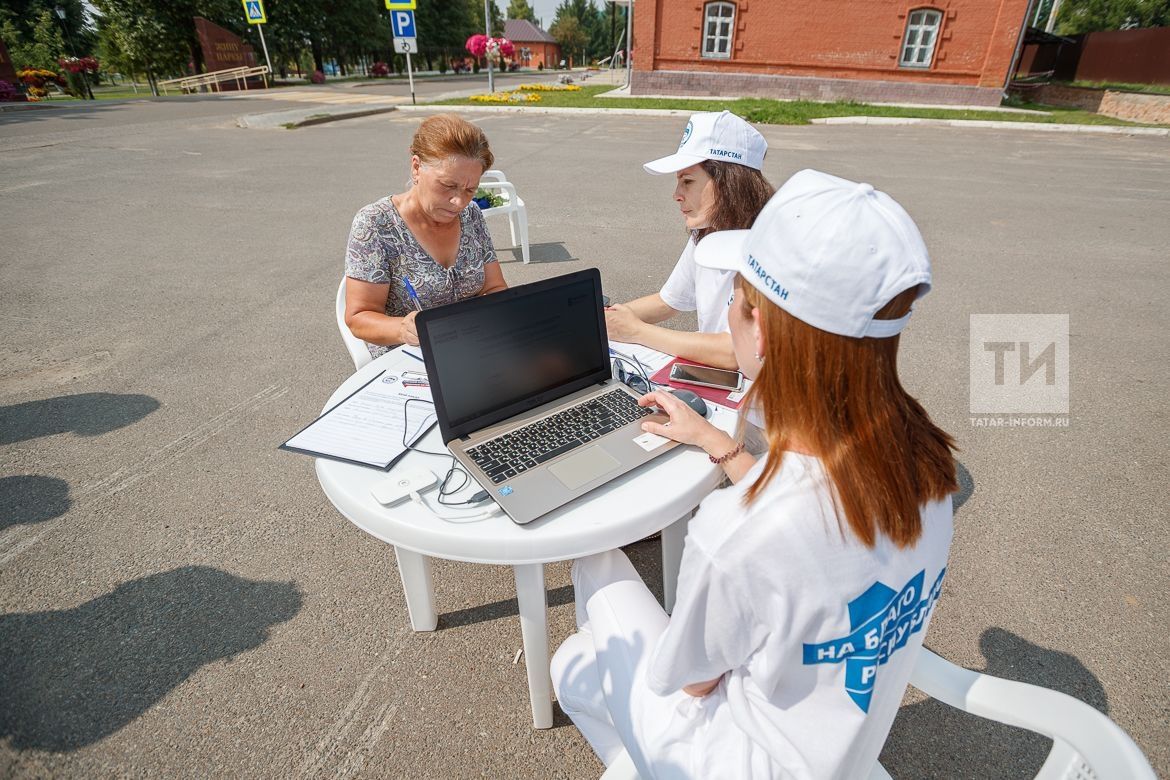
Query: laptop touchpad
[(584, 466)]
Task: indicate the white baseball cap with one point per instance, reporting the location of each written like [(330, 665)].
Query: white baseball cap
[(714, 135), (829, 251)]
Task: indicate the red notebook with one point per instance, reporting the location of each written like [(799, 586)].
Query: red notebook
[(662, 377)]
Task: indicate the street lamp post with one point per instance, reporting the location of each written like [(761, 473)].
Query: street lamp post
[(84, 78), (487, 23)]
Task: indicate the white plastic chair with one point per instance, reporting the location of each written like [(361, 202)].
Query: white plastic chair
[(513, 207), (1086, 745), (357, 349)]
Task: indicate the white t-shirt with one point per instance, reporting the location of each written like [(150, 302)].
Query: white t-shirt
[(817, 634), (705, 291)]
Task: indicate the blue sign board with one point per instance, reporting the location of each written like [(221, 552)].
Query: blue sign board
[(254, 10), (403, 23)]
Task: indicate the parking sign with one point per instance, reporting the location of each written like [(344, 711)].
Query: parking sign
[(403, 24)]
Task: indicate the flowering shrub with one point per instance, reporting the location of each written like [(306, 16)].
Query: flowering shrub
[(38, 79), (507, 97), (379, 69), (317, 77), (479, 45), (9, 92), (75, 65), (548, 88)]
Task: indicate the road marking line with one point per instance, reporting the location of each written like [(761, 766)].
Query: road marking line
[(130, 475), (18, 539)]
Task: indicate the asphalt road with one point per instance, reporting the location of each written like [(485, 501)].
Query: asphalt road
[(177, 597)]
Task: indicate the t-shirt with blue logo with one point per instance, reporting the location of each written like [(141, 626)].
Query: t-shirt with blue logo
[(814, 634)]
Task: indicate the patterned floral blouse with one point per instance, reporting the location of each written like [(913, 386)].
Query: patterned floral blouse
[(382, 250)]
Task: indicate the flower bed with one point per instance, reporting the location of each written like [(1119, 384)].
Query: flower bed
[(507, 97), (548, 88), (37, 81)]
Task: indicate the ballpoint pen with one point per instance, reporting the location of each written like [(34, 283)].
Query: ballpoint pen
[(413, 295)]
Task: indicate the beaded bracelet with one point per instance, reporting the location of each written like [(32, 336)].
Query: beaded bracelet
[(724, 458)]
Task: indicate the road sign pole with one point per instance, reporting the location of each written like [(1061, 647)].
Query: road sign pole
[(410, 75), (263, 45)]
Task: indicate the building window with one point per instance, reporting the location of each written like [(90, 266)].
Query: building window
[(718, 23), (921, 36)]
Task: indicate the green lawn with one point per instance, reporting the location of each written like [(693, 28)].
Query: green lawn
[(1154, 89), (799, 112)]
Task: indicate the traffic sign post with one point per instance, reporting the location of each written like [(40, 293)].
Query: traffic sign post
[(254, 13), (401, 5), (405, 39)]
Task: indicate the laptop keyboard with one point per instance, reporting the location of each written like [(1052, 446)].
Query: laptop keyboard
[(516, 452)]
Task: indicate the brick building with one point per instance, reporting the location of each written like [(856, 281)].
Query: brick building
[(534, 46), (929, 51)]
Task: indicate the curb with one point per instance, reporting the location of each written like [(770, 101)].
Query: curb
[(551, 110), (993, 125), (305, 117), (834, 120), (5, 107)]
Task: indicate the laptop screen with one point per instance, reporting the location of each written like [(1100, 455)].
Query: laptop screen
[(493, 357)]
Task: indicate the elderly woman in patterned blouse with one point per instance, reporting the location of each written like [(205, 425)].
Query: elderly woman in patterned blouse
[(431, 236)]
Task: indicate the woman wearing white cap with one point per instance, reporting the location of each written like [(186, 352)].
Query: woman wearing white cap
[(719, 186), (806, 587)]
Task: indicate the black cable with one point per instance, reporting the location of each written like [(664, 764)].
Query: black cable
[(640, 372), (444, 490)]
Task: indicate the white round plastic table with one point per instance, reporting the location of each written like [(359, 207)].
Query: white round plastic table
[(658, 496)]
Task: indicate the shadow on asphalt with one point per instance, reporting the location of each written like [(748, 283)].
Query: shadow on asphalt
[(931, 739), (74, 676), (966, 486), (500, 609), (86, 414), (646, 555), (549, 252), (32, 499)]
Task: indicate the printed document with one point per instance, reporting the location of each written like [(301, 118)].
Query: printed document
[(373, 426)]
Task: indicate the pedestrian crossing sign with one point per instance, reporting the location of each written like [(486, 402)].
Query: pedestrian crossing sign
[(401, 5), (254, 10)]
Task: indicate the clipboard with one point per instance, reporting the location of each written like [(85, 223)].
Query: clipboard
[(364, 429)]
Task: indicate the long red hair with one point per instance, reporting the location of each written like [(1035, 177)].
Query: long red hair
[(840, 397)]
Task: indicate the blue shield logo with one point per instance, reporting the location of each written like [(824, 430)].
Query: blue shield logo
[(686, 135)]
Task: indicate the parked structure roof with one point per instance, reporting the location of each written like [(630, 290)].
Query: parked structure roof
[(524, 31)]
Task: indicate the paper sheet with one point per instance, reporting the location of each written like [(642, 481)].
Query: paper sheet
[(651, 359), (369, 427)]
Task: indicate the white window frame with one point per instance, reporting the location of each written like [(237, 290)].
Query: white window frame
[(724, 29), (921, 38)]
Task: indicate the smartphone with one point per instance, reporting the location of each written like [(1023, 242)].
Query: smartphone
[(705, 376)]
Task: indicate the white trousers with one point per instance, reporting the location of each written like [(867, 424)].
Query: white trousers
[(599, 672)]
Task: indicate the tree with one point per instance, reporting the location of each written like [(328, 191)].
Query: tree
[(1084, 16), (497, 17), (520, 9), (25, 16), (40, 48), (136, 41), (593, 26), (443, 27), (570, 35)]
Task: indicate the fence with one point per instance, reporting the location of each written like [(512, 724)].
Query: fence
[(215, 78), (1116, 56)]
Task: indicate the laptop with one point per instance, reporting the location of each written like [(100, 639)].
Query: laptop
[(525, 397)]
